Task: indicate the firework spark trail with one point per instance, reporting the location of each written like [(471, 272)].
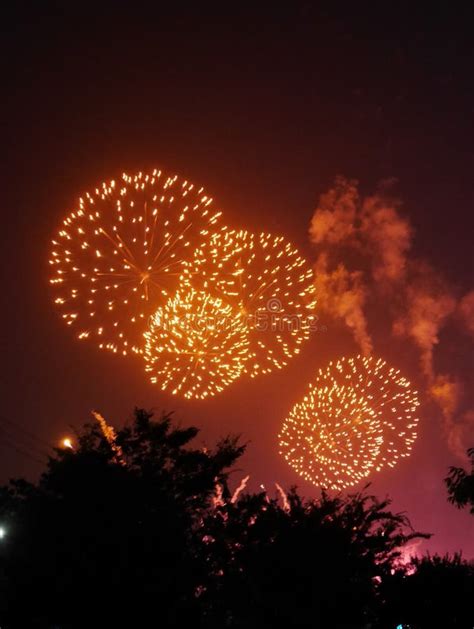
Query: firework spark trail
[(196, 345), (121, 254), (284, 498), (265, 278), (239, 490), (357, 417), (217, 498), (111, 437)]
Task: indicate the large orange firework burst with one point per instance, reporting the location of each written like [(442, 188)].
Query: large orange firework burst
[(357, 417), (196, 345), (266, 280), (120, 255)]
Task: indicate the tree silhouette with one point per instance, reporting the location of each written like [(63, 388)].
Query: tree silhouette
[(460, 485), (318, 563), (430, 592), (97, 543), (139, 529)]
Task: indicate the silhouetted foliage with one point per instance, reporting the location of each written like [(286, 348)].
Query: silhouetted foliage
[(318, 564), (431, 592), (96, 543), (144, 532), (460, 484)]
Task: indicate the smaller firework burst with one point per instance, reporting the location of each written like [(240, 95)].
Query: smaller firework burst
[(359, 416), (196, 345), (266, 280)]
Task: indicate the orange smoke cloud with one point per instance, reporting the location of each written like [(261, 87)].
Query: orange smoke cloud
[(334, 218), (341, 294), (461, 433), (459, 428), (388, 237), (426, 310), (446, 392), (372, 226)]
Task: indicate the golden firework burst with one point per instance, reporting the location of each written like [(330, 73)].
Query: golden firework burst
[(266, 280), (196, 345), (358, 416), (120, 255)]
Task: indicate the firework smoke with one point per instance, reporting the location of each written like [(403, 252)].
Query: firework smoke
[(333, 221), (428, 305), (374, 239), (342, 295), (388, 237)]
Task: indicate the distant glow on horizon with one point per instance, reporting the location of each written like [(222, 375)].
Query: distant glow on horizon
[(196, 345), (120, 255), (358, 416), (268, 282), (67, 443)]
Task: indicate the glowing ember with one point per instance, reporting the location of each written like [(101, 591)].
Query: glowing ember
[(357, 417)]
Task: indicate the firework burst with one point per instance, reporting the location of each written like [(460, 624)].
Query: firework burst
[(266, 280), (196, 345), (357, 417), (120, 255)]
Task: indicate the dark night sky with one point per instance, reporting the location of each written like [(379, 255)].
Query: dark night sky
[(264, 107)]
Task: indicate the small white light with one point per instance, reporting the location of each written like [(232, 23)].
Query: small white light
[(2, 532)]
